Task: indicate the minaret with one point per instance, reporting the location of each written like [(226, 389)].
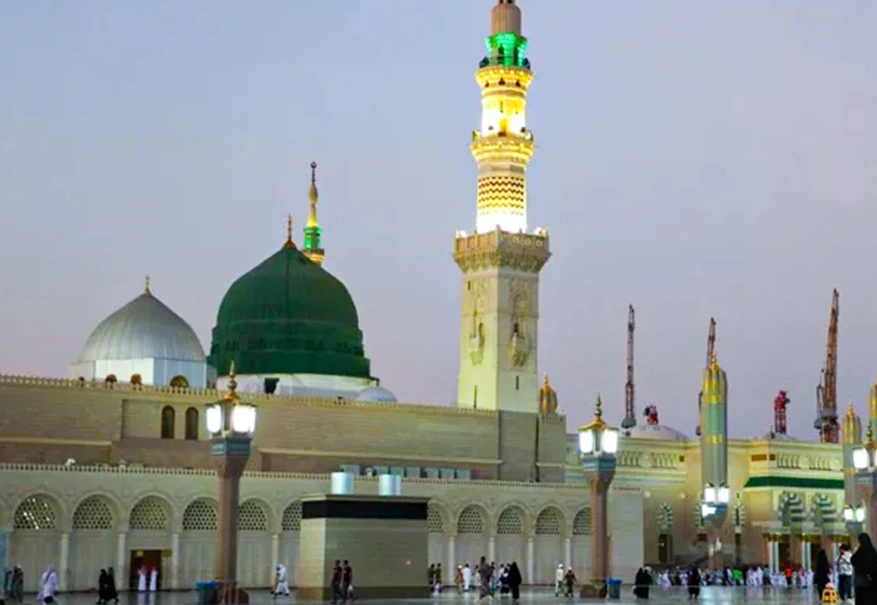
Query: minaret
[(313, 240), (714, 449), (501, 261), (714, 425), (852, 436)]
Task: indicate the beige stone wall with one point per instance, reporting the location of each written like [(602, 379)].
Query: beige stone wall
[(96, 424), (509, 517), (388, 557)]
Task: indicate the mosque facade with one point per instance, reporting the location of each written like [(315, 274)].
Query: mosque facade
[(110, 467)]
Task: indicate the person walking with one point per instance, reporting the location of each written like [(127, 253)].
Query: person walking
[(844, 567), (864, 562), (822, 576)]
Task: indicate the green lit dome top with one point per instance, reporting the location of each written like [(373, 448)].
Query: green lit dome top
[(288, 316)]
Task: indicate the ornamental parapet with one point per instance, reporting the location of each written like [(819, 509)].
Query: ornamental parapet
[(522, 251), (197, 395), (509, 76), (494, 147), (141, 470)]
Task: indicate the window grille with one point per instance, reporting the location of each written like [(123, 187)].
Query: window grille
[(200, 515), (36, 512), (93, 513), (149, 514)]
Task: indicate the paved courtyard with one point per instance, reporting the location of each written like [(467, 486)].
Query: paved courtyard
[(537, 596)]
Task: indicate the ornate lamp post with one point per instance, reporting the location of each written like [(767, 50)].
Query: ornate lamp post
[(231, 424), (866, 480), (714, 509), (598, 445)]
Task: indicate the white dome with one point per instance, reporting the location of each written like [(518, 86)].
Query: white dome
[(145, 328), (376, 394), (656, 431)]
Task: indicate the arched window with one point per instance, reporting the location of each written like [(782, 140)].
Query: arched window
[(192, 424), (167, 422)]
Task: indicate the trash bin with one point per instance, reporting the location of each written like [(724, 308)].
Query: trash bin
[(207, 592), (613, 586)]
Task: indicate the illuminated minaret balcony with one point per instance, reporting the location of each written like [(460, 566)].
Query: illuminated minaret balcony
[(503, 145)]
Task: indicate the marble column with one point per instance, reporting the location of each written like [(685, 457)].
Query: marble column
[(63, 565), (531, 561), (776, 555), (768, 543), (805, 553), (491, 549), (175, 561), (451, 574), (121, 571), (567, 552), (275, 554)]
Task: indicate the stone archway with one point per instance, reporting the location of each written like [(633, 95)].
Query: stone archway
[(36, 538), (93, 540)]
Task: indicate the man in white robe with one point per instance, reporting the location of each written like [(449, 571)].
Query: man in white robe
[(153, 579), (281, 584), (48, 586), (467, 577), (141, 579)]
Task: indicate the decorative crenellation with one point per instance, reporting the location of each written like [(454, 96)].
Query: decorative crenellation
[(209, 395), (144, 470), (519, 251)]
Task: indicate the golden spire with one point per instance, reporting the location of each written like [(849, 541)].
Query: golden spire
[(232, 394), (714, 361), (146, 288), (545, 383), (289, 245), (598, 412), (869, 436), (313, 196)]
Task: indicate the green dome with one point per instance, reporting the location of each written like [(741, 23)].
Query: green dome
[(288, 316)]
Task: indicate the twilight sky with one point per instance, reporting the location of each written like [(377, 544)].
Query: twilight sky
[(694, 159)]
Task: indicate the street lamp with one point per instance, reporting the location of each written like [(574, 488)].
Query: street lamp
[(231, 424), (866, 480), (598, 445), (713, 509)]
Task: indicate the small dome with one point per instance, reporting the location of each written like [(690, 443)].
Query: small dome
[(376, 394), (145, 328), (656, 431)]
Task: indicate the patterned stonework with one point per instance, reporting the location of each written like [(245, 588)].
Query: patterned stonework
[(520, 251)]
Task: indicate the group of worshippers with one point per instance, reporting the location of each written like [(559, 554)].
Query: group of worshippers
[(147, 579), (434, 575), (106, 587), (489, 579), (342, 582), (564, 581), (13, 584)]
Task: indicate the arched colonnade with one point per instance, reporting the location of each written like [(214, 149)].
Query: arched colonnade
[(538, 540)]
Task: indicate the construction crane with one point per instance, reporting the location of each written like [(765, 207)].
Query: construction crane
[(826, 391), (629, 390), (710, 352)]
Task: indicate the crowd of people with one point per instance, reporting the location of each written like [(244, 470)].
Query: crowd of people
[(850, 573), (485, 580)]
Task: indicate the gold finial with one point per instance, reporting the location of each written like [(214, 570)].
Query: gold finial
[(869, 435), (545, 383), (232, 383), (714, 361), (289, 245), (146, 288), (313, 196), (598, 412)]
